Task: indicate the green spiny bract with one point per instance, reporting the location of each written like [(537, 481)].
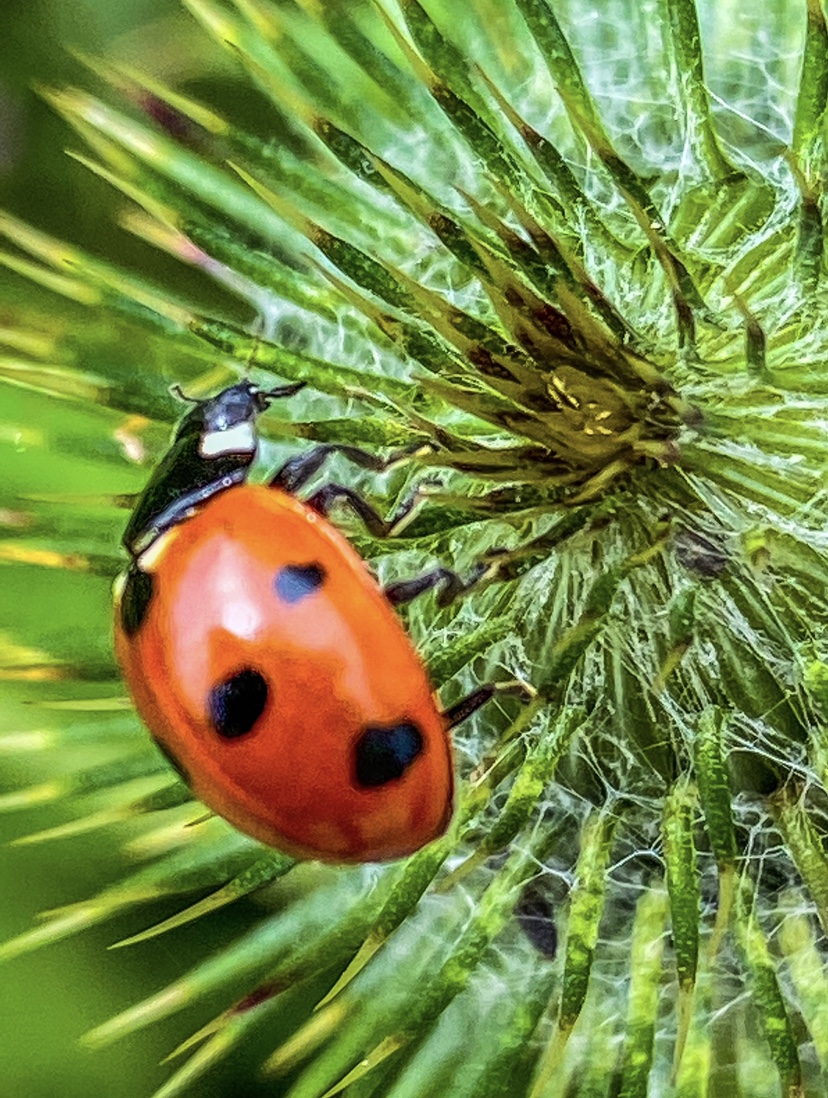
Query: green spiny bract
[(595, 321)]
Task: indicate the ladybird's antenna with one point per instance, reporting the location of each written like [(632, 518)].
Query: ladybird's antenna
[(285, 390), (179, 394)]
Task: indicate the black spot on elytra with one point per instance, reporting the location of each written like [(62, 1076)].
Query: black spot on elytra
[(383, 754), (295, 581), (237, 703), (174, 762), (135, 599)]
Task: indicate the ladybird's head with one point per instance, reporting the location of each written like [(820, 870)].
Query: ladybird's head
[(234, 409), (212, 449)]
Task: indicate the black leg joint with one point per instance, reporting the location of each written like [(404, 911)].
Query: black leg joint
[(296, 472), (468, 705), (452, 585), (330, 494), (299, 470), (323, 500), (472, 702)]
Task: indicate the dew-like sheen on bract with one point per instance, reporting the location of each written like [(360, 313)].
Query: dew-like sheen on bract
[(568, 260)]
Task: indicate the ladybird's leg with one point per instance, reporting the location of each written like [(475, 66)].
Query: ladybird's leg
[(472, 702), (329, 494), (296, 472), (453, 585), (468, 705)]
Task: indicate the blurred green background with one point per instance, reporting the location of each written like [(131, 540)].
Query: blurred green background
[(40, 44), (37, 180), (51, 997)]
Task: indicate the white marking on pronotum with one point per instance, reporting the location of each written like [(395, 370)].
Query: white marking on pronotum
[(118, 586), (148, 560), (236, 440)]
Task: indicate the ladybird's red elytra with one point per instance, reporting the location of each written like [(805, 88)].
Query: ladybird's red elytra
[(266, 660)]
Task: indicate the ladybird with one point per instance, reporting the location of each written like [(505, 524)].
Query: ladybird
[(266, 660)]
